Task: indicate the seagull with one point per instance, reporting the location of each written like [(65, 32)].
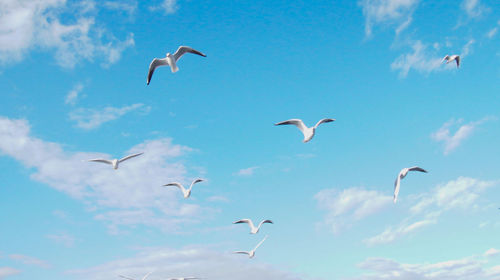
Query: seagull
[(115, 162), (185, 192), (253, 229), (143, 278), (450, 58), (307, 131), (401, 175), (171, 60), (251, 254)]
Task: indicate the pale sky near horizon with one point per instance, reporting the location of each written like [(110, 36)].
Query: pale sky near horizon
[(73, 83)]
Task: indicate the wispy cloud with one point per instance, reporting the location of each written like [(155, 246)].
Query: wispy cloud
[(8, 271), (73, 94), (246, 171), (461, 193), (393, 233), (62, 238), (93, 118), (453, 141), (127, 7), (398, 12), (473, 8), (420, 59), (29, 260), (192, 261), (469, 268), (30, 24), (167, 6), (347, 206), (104, 190)]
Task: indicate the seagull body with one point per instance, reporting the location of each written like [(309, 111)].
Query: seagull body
[(115, 162), (401, 175), (185, 192), (307, 131), (143, 278), (251, 254), (171, 60), (450, 58), (253, 229)]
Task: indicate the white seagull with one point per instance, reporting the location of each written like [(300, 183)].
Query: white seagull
[(171, 60), (143, 278), (401, 175), (307, 131), (450, 58), (185, 192), (251, 254), (115, 162), (253, 229)]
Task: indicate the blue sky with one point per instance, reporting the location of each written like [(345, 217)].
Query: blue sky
[(73, 83)]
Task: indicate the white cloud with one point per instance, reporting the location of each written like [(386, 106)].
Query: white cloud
[(491, 252), (420, 60), (391, 234), (30, 24), (167, 6), (349, 205), (492, 32), (127, 196), (246, 171), (451, 142), (467, 48), (62, 238), (191, 261), (73, 94), (470, 268), (387, 11), (29, 260), (128, 7), (8, 271), (473, 8), (461, 193), (92, 118)]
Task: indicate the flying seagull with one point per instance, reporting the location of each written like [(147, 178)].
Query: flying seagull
[(307, 131), (171, 60), (450, 58), (115, 162), (401, 175), (143, 278), (251, 254), (253, 229), (185, 192)]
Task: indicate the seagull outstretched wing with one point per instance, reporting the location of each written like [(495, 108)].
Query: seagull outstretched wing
[(297, 122), (194, 182), (396, 187), (183, 50), (323, 121), (260, 243), (130, 156), (101, 160), (416, 168), (265, 222), (181, 187), (246, 221), (157, 62)]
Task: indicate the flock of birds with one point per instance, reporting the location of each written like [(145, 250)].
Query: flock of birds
[(308, 132)]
